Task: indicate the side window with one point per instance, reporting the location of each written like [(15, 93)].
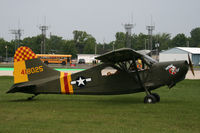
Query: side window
[(108, 71), (131, 65)]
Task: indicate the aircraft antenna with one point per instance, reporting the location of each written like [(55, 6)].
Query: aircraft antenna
[(150, 29)]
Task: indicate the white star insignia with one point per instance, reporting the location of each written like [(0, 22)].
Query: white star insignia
[(80, 81)]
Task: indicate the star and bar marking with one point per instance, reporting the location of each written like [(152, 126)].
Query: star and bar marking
[(81, 81)]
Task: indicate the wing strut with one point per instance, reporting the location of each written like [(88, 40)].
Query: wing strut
[(139, 79)]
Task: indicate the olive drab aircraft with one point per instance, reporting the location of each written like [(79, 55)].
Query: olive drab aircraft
[(122, 71)]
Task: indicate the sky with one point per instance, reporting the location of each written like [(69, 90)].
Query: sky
[(100, 18)]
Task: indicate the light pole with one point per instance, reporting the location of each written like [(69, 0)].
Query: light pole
[(6, 47), (157, 45), (113, 46)]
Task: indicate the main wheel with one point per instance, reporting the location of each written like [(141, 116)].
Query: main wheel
[(149, 99), (156, 96)]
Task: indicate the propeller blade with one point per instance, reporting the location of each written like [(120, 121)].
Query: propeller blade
[(190, 64)]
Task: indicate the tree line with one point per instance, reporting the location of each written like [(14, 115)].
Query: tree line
[(84, 43)]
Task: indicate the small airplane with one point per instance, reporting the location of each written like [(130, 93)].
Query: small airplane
[(122, 71)]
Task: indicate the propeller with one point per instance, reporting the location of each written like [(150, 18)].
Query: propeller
[(190, 64)]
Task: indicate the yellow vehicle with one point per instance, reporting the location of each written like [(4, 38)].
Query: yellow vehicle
[(55, 58)]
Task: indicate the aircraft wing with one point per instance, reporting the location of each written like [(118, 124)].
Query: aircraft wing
[(124, 54)]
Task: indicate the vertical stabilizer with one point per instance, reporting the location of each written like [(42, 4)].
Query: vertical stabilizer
[(27, 67), (21, 55)]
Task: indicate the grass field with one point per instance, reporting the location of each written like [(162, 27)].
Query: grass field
[(178, 112)]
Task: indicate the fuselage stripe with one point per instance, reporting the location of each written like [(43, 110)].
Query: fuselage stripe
[(62, 84), (69, 84), (66, 83)]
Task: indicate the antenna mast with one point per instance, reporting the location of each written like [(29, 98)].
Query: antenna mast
[(150, 29), (18, 34), (128, 27), (43, 29)]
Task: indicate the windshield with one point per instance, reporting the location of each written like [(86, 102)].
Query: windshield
[(149, 60)]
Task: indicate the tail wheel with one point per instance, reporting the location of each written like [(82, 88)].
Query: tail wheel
[(156, 96), (149, 99), (46, 62), (63, 63)]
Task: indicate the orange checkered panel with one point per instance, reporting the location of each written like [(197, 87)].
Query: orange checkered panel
[(24, 53)]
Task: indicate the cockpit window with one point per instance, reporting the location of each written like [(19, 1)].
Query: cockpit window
[(132, 65)]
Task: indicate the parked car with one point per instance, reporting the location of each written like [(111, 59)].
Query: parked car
[(81, 61)]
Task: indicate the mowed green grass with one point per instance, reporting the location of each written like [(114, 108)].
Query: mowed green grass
[(178, 112)]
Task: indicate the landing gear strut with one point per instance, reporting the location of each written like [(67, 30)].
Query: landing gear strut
[(31, 98)]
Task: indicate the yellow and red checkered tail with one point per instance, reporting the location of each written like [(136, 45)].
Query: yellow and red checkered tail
[(27, 67), (22, 54)]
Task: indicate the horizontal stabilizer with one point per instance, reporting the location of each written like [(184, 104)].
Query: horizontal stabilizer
[(22, 88)]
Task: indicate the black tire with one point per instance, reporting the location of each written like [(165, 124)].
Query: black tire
[(149, 99), (63, 63), (46, 62), (156, 96)]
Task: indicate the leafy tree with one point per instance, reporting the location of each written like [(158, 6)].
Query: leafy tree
[(84, 42), (163, 39), (195, 37), (10, 48), (34, 43), (79, 38), (90, 45), (180, 40), (55, 44), (120, 41), (69, 48), (100, 48), (138, 41)]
